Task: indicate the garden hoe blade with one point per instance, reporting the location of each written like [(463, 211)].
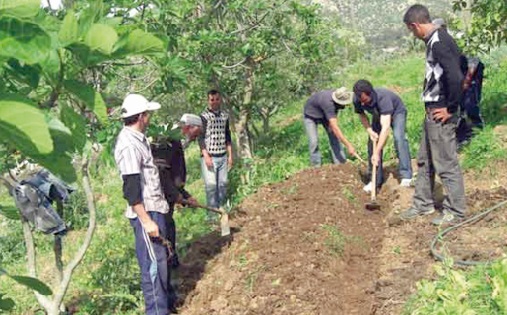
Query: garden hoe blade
[(225, 229)]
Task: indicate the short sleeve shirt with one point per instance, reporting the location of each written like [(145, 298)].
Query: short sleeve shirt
[(384, 102), (320, 106), (132, 154)]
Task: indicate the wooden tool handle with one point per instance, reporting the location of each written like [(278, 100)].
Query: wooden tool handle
[(185, 202), (374, 176)]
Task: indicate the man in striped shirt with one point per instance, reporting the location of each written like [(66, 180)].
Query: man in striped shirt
[(147, 207), (216, 150)]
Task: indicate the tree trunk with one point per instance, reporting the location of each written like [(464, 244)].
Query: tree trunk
[(242, 135)]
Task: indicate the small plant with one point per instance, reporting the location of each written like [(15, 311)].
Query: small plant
[(335, 240), (397, 250), (348, 194)]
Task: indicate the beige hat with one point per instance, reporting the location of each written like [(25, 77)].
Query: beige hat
[(191, 120), (135, 104), (342, 96)]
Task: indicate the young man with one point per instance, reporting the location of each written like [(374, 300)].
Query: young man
[(473, 70), (170, 161), (441, 95), (322, 109), (216, 150), (387, 110), (147, 208)]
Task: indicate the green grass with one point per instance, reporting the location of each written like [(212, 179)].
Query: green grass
[(482, 290), (107, 281)]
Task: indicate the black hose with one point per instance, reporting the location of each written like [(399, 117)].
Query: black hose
[(473, 219)]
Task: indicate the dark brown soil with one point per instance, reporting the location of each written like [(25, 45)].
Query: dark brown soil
[(308, 246)]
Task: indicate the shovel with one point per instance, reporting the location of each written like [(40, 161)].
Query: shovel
[(224, 217), (373, 204)]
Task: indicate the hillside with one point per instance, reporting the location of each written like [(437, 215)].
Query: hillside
[(380, 21)]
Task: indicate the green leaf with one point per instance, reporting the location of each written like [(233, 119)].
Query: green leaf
[(34, 284), (101, 37), (24, 41), (24, 125), (76, 124), (59, 162), (6, 304), (138, 42), (26, 74), (92, 99), (19, 8), (69, 32), (10, 212)]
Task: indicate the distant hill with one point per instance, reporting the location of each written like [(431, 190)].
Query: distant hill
[(380, 20)]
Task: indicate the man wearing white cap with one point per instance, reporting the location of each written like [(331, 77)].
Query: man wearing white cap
[(147, 207), (170, 159), (322, 108)]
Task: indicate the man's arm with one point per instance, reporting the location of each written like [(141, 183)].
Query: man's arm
[(133, 194), (452, 75), (333, 124), (366, 124), (385, 122)]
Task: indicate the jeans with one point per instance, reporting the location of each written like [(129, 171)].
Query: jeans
[(215, 181), (313, 143), (438, 154), (398, 124), (158, 293)]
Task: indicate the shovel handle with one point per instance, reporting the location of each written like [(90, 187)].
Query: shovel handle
[(374, 176), (185, 202)]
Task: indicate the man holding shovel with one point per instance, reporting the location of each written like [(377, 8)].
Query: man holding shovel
[(322, 109), (387, 111), (170, 160)]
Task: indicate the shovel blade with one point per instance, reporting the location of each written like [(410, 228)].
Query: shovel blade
[(224, 224), (372, 206)]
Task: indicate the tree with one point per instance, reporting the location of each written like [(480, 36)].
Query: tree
[(485, 25), (50, 97)]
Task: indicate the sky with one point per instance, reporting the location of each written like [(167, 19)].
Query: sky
[(55, 4)]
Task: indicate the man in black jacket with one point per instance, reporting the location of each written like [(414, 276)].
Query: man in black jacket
[(441, 96), (169, 158)]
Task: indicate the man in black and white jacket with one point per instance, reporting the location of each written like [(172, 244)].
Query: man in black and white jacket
[(441, 96), (216, 150)]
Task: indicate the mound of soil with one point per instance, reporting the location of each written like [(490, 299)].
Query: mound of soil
[(308, 246)]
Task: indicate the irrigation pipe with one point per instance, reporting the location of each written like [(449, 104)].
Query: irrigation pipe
[(473, 219)]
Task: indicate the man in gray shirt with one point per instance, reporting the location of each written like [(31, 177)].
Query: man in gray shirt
[(322, 108), (387, 110), (147, 207)]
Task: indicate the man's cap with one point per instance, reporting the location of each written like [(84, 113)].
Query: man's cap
[(439, 22), (191, 120), (342, 96), (135, 104)]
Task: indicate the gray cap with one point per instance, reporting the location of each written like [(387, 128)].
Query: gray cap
[(191, 120)]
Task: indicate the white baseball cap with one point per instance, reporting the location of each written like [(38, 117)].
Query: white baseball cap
[(135, 104), (191, 120)]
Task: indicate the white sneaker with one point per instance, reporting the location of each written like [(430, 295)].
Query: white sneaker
[(406, 182), (368, 187)]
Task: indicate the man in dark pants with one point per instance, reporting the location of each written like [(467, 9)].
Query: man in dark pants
[(322, 109), (387, 110), (170, 160), (147, 207), (442, 96)]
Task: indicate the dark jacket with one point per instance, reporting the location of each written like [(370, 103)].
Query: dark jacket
[(444, 77), (169, 157)]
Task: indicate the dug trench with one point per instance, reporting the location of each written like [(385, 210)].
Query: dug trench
[(308, 246)]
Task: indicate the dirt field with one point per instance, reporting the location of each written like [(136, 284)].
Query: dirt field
[(307, 246)]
